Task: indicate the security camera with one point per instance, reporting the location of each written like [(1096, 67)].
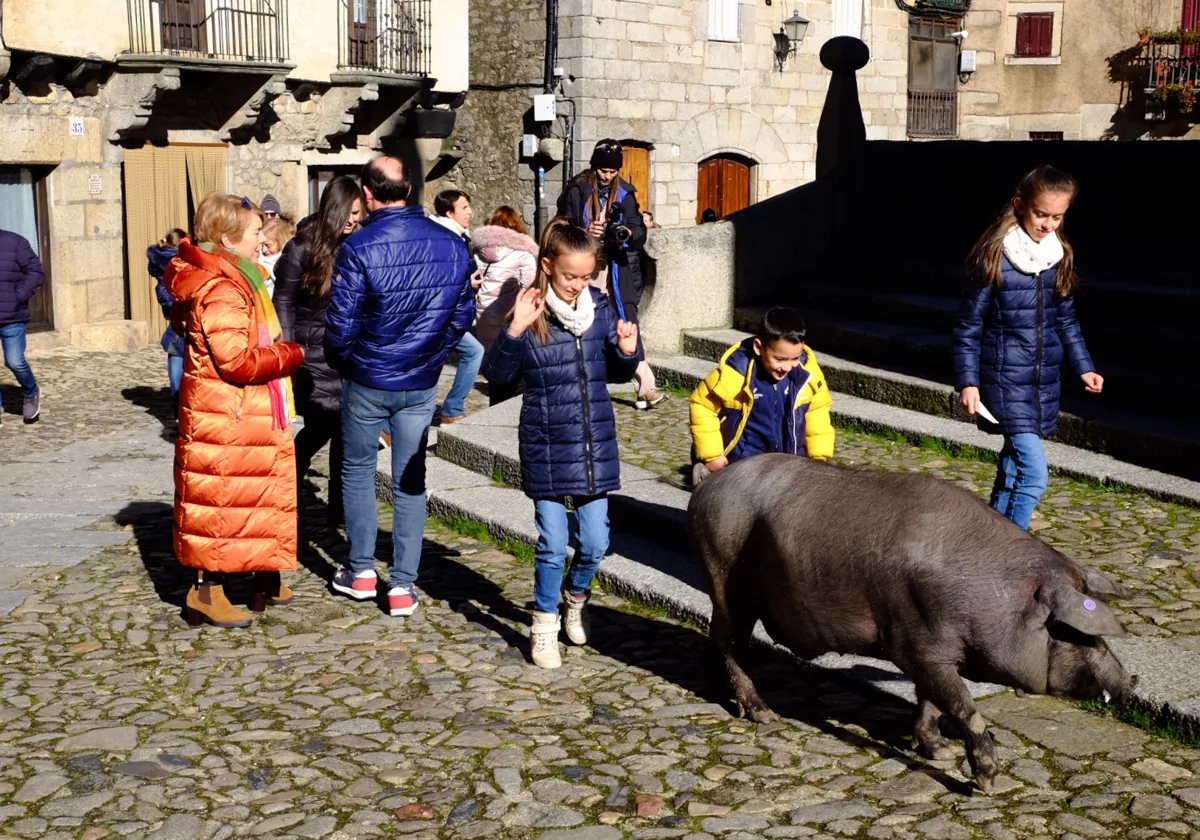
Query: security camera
[(962, 33)]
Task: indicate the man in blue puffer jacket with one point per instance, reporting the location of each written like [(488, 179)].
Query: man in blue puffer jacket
[(20, 276), (401, 300)]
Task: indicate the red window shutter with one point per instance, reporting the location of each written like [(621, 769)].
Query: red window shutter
[(1191, 14), (1043, 43), (1024, 25)]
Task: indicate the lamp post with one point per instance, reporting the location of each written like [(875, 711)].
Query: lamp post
[(788, 38)]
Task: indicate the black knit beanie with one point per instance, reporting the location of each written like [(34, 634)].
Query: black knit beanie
[(608, 154)]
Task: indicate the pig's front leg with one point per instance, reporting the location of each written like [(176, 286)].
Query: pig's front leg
[(942, 684), (930, 741), (732, 627)]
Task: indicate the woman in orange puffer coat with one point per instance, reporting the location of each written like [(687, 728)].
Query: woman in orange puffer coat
[(235, 465)]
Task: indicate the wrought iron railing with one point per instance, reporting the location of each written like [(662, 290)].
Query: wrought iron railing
[(228, 30), (932, 113), (385, 36), (1172, 64)]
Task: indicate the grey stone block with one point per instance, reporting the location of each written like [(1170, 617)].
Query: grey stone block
[(10, 599)]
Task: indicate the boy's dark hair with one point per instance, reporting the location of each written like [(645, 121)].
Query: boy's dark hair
[(782, 324), (443, 205), (386, 186)]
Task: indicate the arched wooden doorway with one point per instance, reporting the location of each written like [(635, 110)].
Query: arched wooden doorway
[(724, 185)]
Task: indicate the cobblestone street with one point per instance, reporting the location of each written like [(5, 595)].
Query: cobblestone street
[(327, 719)]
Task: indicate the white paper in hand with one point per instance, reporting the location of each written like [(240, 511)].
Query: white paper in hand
[(981, 409)]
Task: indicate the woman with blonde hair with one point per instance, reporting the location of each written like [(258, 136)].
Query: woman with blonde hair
[(235, 467)]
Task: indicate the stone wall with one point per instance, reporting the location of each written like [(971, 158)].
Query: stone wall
[(507, 43), (87, 271)]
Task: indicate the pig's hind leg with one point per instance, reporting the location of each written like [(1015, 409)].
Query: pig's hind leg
[(732, 626), (942, 684)]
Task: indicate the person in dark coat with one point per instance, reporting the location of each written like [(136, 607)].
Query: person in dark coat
[(401, 301), (158, 257), (565, 341), (303, 285), (1016, 326), (606, 205), (20, 276)]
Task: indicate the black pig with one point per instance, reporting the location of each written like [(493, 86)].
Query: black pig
[(902, 567)]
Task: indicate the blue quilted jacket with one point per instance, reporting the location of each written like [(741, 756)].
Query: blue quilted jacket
[(568, 434), (20, 276), (401, 300), (1010, 343)]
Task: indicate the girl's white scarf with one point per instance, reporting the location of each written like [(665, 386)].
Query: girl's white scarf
[(574, 320), (1029, 257)]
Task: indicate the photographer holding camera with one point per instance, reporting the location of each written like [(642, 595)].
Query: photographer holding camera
[(599, 201)]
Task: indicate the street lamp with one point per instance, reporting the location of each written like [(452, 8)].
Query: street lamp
[(788, 38)]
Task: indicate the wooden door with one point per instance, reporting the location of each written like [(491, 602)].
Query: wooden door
[(183, 25), (636, 171), (724, 186), (364, 24)]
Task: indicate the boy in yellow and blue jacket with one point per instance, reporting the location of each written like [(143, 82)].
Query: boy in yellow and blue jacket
[(767, 395)]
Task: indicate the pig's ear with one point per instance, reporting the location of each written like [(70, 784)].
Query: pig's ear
[(1102, 586), (1081, 612)]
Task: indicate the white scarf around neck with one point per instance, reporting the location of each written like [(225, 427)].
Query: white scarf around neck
[(1029, 257), (575, 320)]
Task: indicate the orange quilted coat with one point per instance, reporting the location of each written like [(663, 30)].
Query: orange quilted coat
[(235, 475)]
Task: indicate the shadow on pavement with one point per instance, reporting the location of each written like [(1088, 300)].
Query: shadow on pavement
[(158, 404)]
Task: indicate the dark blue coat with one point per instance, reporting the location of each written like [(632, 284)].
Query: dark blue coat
[(401, 300), (20, 276), (1010, 343), (157, 260), (568, 433)]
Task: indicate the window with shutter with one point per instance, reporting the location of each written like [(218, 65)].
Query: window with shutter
[(723, 20), (1035, 35)]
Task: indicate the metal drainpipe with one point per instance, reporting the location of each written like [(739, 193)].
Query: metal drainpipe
[(541, 211)]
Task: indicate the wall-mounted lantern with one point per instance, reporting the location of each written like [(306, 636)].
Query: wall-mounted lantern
[(788, 38)]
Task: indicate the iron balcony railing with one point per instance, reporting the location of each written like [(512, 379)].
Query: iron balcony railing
[(385, 36), (932, 113), (226, 30), (1172, 64)]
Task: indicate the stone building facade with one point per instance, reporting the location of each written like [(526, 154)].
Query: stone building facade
[(111, 133), (695, 90)]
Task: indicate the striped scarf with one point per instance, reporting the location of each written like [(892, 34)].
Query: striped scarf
[(283, 405)]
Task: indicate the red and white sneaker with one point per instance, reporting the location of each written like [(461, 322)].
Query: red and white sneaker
[(402, 601), (361, 586)]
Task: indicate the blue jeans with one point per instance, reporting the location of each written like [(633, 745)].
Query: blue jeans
[(12, 336), (550, 555), (406, 415), (175, 373), (1021, 479), (470, 359)]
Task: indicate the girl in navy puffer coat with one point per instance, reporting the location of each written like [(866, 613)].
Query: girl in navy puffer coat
[(158, 257), (1016, 325), (566, 342)]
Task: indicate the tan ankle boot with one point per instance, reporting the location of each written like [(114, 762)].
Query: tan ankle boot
[(208, 604), (269, 590), (543, 640)]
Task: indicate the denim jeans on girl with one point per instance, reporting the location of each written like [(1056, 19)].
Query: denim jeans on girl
[(12, 337), (175, 373), (1021, 479), (551, 553), (470, 359)]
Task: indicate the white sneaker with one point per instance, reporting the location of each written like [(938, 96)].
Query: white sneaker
[(543, 640), (575, 619), (649, 401)]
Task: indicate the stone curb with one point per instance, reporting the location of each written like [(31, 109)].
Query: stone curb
[(1174, 445), (872, 416), (660, 573)]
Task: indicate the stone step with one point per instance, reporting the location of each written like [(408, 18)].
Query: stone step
[(657, 573), (686, 372), (486, 443), (1166, 445)]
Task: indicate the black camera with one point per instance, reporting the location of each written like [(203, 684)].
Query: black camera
[(616, 231)]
